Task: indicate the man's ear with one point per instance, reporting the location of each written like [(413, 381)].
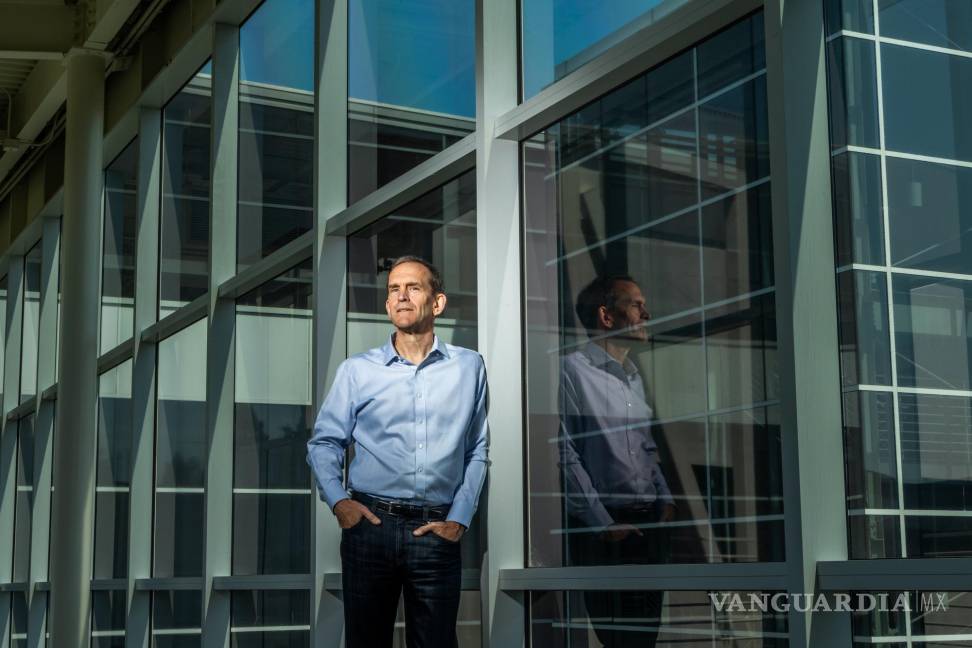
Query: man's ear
[(604, 317), (439, 304)]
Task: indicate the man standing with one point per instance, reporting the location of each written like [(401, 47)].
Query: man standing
[(617, 497), (415, 409)]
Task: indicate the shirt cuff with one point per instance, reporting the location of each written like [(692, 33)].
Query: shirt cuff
[(334, 492), (460, 512)]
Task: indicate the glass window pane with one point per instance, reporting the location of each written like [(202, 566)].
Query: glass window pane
[(184, 238), (734, 139), (649, 315), (18, 619), (118, 249), (272, 499), (943, 23), (439, 226), (873, 536), (852, 15), (936, 443), (648, 618), (270, 619), (852, 79), (858, 214), (114, 472), (108, 615), (411, 85), (862, 313), (31, 322), (923, 619), (731, 55), (559, 36), (276, 143), (869, 451), (931, 317), (912, 123), (24, 499), (930, 212), (177, 619), (180, 452)]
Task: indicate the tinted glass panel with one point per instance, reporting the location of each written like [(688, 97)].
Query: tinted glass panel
[(559, 36), (650, 312), (933, 342), (108, 619), (114, 472), (913, 124), (930, 211), (180, 452), (865, 342), (853, 93), (441, 227), (276, 144), (853, 15), (31, 322), (24, 499), (270, 619), (411, 85), (176, 619), (858, 214), (943, 23), (118, 249), (184, 238), (274, 415)]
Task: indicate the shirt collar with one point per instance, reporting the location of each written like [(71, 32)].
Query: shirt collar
[(389, 353), (601, 358)]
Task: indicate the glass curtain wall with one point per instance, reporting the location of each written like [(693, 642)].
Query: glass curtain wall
[(186, 159), (276, 138), (902, 176), (272, 501), (118, 250), (440, 227), (411, 85), (652, 389), (180, 454)]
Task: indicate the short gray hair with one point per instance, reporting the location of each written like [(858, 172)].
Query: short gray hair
[(436, 276)]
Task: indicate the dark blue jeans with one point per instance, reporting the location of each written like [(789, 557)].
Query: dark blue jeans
[(381, 562)]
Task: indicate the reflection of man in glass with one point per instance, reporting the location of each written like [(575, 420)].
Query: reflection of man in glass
[(616, 494)]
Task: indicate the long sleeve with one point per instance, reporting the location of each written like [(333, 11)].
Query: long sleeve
[(581, 496), (476, 458), (332, 434)]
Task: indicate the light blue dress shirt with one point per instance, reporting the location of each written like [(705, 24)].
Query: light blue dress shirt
[(420, 432), (607, 453)]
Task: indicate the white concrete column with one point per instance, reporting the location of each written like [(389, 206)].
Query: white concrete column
[(75, 435)]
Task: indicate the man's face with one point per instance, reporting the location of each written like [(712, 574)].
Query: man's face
[(629, 315), (411, 305)]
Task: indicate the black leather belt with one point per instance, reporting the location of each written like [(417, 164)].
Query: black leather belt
[(401, 509)]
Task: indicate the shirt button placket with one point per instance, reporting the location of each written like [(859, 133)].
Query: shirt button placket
[(420, 436)]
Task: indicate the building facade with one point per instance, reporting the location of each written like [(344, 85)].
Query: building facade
[(197, 231)]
